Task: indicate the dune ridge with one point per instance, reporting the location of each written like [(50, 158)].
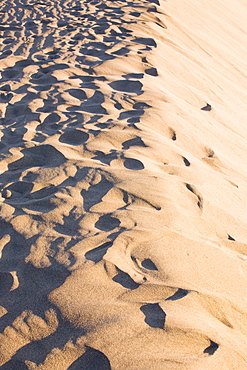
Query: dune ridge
[(123, 185)]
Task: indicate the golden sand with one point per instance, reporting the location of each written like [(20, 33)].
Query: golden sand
[(123, 185)]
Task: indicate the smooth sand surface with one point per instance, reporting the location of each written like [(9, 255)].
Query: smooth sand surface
[(123, 185)]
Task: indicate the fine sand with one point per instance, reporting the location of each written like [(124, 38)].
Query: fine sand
[(123, 185)]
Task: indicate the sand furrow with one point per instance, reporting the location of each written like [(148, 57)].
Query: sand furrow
[(123, 197)]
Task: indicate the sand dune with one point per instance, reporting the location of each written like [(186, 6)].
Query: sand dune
[(123, 185)]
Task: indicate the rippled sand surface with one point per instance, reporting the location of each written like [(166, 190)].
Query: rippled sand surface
[(123, 207)]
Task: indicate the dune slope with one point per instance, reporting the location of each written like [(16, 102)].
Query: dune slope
[(123, 185)]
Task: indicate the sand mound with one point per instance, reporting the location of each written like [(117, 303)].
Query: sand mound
[(123, 185)]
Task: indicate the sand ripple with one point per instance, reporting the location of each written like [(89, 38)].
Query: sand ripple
[(123, 185)]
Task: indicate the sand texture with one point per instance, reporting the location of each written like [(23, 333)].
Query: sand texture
[(123, 215)]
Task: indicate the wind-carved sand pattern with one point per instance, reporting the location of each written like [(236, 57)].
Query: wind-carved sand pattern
[(118, 250)]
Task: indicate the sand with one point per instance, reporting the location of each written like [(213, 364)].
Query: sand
[(123, 185)]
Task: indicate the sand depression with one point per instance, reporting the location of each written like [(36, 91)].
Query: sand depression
[(123, 237)]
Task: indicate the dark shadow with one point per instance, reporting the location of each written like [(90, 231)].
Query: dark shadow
[(70, 225), (121, 51), (186, 162), (200, 202), (194, 191), (96, 254), (174, 136), (50, 119), (78, 94), (179, 294), (151, 71), (133, 164), (210, 350), (6, 88), (14, 365), (155, 316), (42, 78), (136, 113), (107, 223), (95, 193), (92, 359), (136, 76), (207, 107), (5, 54), (115, 234), (35, 285), (54, 67), (74, 137), (93, 104), (94, 118), (41, 155), (190, 188), (148, 264), (106, 158), (13, 138), (19, 112), (127, 86), (137, 141), (6, 282), (10, 73), (141, 105), (148, 41), (125, 280), (5, 97), (37, 351), (20, 194)]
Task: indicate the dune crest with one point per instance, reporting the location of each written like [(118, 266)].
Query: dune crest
[(123, 239)]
